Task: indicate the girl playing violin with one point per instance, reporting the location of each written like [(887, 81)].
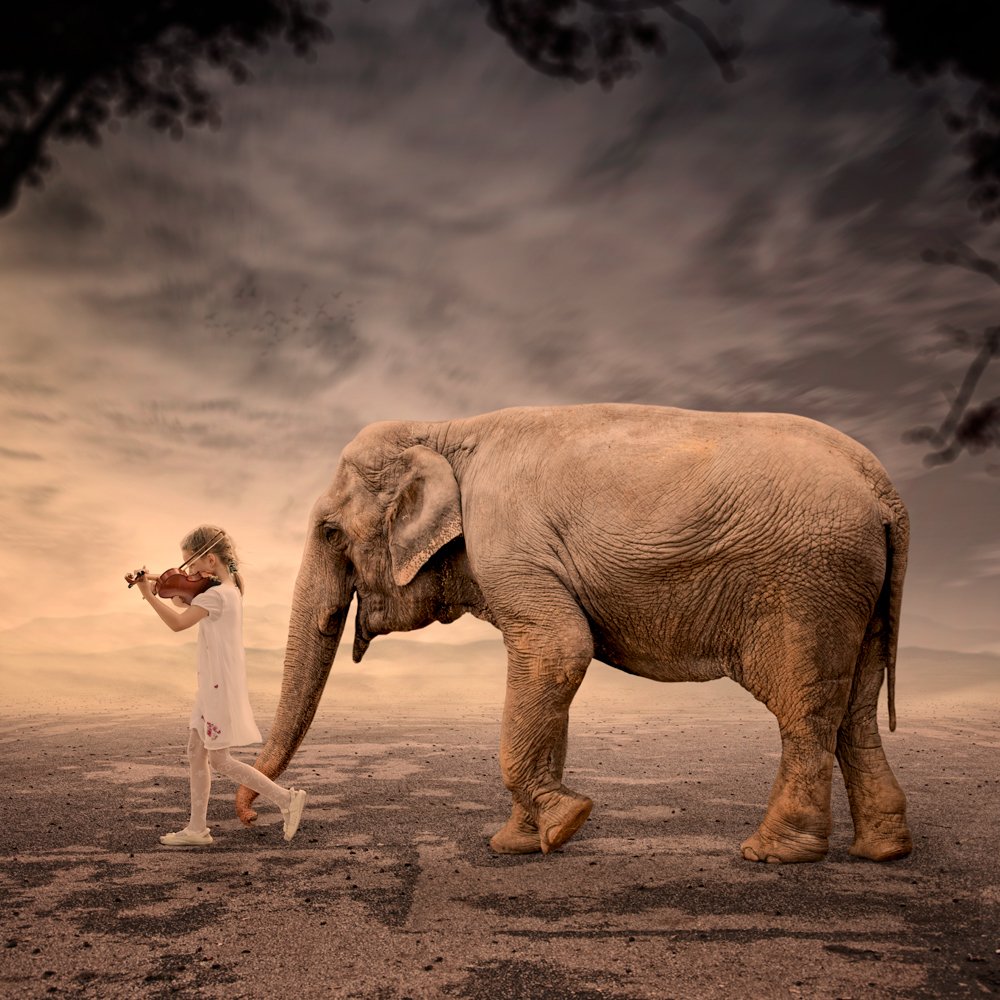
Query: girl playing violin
[(221, 717)]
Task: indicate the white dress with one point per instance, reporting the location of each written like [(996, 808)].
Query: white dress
[(222, 714)]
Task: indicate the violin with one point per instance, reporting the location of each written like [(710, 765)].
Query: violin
[(177, 583)]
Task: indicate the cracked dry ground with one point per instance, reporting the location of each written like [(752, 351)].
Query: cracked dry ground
[(390, 891)]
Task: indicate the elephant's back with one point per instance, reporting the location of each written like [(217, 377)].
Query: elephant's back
[(672, 476), (640, 429), (643, 444)]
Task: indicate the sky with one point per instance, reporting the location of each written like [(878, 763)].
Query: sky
[(418, 225)]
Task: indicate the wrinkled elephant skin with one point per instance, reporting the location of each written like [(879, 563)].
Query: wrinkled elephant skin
[(673, 544)]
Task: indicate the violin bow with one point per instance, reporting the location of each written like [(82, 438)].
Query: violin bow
[(202, 550)]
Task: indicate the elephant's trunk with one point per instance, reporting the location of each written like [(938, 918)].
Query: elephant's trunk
[(322, 597)]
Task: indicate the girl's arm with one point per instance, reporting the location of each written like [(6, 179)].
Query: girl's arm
[(174, 620)]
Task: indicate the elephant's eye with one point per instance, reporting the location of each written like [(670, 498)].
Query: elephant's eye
[(333, 533)]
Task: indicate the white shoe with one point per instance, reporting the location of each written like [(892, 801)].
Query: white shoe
[(187, 838), (293, 814)]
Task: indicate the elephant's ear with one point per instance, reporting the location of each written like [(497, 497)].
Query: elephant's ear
[(425, 513)]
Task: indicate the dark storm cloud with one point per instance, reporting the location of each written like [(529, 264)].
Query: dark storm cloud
[(33, 416), (380, 52), (882, 183), (175, 427), (822, 245), (805, 67), (66, 213), (363, 206), (263, 329), (875, 202), (890, 201), (288, 335), (34, 500), (676, 98), (24, 385), (823, 66), (730, 251), (147, 172), (862, 371), (145, 211), (163, 304), (816, 121), (227, 429), (419, 225), (613, 162), (20, 456), (172, 242)]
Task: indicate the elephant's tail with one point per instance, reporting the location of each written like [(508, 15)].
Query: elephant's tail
[(897, 540)]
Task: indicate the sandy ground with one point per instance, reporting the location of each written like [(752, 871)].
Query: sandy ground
[(390, 891)]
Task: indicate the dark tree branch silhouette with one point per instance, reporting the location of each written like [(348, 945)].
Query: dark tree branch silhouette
[(966, 427), (583, 40), (928, 38), (70, 69)]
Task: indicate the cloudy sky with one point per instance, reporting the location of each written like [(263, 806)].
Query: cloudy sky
[(419, 225)]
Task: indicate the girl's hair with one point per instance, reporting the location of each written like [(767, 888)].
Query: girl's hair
[(224, 548)]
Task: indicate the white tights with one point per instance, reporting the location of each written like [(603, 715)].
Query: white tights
[(202, 760)]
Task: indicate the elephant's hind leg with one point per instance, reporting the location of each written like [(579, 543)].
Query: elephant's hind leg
[(796, 826), (878, 805), (808, 693)]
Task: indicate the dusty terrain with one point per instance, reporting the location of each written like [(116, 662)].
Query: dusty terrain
[(390, 891)]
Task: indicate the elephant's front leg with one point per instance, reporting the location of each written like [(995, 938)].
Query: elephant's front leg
[(545, 668), (519, 835)]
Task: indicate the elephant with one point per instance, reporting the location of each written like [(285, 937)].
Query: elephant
[(673, 544)]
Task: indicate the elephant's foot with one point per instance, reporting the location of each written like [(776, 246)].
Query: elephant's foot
[(784, 845), (878, 808), (560, 815), (885, 840), (519, 835)]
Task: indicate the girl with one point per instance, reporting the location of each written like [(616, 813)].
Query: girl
[(221, 717)]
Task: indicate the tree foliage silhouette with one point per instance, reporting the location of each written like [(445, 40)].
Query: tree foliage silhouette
[(605, 39), (928, 38), (70, 69), (583, 40), (967, 426)]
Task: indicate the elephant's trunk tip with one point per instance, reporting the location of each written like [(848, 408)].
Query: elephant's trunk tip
[(244, 797), (361, 644)]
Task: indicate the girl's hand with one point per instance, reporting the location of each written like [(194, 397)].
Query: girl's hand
[(145, 585)]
